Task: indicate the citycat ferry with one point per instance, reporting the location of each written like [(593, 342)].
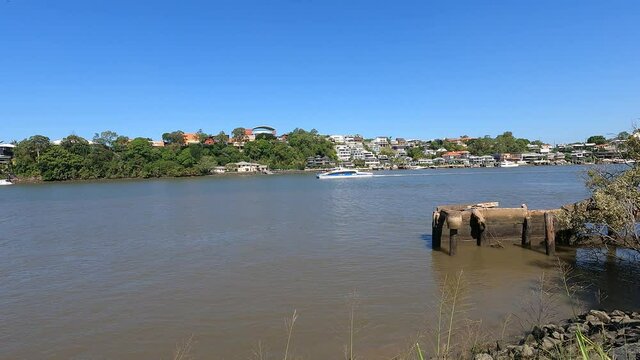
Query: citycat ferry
[(344, 174)]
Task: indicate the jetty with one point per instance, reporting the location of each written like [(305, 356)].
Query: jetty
[(489, 225)]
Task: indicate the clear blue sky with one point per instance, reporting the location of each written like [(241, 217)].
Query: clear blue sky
[(555, 70)]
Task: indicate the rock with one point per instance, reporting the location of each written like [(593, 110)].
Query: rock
[(557, 335), (618, 313), (601, 315), (627, 352), (549, 343), (527, 351), (483, 357), (530, 340), (537, 333), (573, 328), (591, 318), (630, 322)]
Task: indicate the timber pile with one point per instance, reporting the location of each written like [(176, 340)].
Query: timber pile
[(486, 223)]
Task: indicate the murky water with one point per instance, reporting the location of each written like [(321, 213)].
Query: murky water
[(127, 269)]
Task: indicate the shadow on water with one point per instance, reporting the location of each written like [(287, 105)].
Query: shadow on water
[(428, 240), (611, 277)]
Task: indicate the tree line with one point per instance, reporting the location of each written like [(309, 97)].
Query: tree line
[(112, 156)]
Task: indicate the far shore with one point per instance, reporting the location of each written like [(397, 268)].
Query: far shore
[(24, 181)]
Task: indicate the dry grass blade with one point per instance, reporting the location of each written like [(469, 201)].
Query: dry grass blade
[(289, 323), (183, 350)]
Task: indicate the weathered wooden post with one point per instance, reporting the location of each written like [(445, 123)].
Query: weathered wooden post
[(436, 231), (478, 226), (454, 221), (526, 230), (549, 234)]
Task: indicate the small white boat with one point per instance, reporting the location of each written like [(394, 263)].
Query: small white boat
[(507, 164), (5, 182), (344, 174)]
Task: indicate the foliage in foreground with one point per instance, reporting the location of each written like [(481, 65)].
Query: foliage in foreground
[(611, 213)]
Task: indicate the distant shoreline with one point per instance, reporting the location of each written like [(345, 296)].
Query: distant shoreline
[(27, 181)]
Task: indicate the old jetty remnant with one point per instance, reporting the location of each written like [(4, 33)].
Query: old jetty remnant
[(488, 225)]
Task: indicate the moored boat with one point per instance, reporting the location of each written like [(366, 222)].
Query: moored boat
[(5, 182), (507, 164), (344, 174)]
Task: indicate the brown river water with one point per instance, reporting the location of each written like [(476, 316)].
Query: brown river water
[(128, 269)]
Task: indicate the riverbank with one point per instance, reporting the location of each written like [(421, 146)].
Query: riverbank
[(37, 180), (31, 180), (595, 334)]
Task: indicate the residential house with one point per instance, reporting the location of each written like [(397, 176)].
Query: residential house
[(6, 152), (191, 138), (319, 162), (263, 130), (245, 167), (343, 152), (381, 141), (156, 143), (508, 157)]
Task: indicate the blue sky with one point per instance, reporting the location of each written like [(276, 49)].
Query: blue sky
[(555, 70)]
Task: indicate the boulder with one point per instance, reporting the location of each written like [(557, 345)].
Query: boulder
[(483, 357), (601, 315), (627, 352)]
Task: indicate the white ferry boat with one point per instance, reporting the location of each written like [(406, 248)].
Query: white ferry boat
[(507, 164), (5, 182), (344, 174)]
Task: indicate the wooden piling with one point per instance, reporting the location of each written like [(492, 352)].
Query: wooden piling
[(479, 223), (454, 222), (526, 231), (550, 234), (436, 231), (453, 241)]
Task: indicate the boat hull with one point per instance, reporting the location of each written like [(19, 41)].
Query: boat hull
[(344, 176)]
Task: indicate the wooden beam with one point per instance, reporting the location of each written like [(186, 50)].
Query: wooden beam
[(453, 242), (550, 234), (526, 231), (479, 224), (436, 230)]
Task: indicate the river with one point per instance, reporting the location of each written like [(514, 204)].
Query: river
[(128, 269)]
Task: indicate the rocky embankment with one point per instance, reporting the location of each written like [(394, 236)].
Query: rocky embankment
[(616, 333)]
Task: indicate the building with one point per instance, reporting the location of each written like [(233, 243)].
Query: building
[(191, 138), (508, 157), (156, 143), (6, 152), (381, 141), (534, 158), (319, 162), (343, 152), (263, 130), (245, 167), (455, 155)]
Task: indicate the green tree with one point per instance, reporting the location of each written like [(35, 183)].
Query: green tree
[(481, 146), (416, 152), (106, 138), (58, 163), (32, 147), (611, 212), (238, 133), (174, 138), (221, 138), (597, 139), (387, 152), (623, 135), (76, 145)]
